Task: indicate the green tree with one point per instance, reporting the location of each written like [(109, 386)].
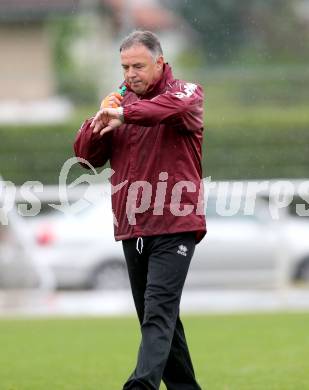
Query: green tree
[(72, 80), (268, 29)]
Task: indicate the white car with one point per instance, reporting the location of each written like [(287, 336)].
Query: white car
[(80, 249), (238, 251), (251, 250)]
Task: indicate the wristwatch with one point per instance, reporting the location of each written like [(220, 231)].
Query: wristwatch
[(120, 112)]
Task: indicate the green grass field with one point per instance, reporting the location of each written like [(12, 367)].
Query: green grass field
[(230, 352)]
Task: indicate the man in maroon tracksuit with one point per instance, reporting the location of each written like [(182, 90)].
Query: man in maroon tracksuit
[(153, 140)]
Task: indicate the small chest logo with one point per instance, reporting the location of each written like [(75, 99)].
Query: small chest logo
[(182, 250)]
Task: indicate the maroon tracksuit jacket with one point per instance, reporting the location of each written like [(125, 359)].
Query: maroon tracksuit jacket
[(160, 143)]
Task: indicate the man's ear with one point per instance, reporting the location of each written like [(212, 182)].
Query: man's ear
[(160, 62)]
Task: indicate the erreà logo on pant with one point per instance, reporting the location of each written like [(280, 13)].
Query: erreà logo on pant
[(182, 250)]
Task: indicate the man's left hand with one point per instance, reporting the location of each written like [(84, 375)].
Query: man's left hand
[(107, 119)]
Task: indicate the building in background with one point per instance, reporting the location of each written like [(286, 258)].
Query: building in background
[(27, 78)]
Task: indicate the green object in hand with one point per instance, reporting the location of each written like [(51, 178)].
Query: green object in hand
[(122, 90)]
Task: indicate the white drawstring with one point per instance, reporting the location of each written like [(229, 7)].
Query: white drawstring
[(139, 248)]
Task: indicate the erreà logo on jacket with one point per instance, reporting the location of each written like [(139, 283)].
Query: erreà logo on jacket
[(182, 250)]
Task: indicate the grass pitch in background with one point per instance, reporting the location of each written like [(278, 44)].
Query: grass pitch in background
[(230, 352)]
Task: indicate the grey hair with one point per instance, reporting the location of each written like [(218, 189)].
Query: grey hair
[(145, 38)]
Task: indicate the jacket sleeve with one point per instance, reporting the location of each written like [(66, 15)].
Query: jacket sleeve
[(182, 106), (92, 147)]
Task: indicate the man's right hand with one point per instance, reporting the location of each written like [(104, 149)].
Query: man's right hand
[(113, 100), (107, 119)]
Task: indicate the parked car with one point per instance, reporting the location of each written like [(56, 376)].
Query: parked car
[(238, 251), (80, 249), (251, 250)]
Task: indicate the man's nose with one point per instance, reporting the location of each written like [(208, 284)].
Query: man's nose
[(131, 73)]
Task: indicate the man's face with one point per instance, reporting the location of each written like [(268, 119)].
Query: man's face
[(140, 69)]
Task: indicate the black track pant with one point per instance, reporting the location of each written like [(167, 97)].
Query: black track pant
[(157, 276)]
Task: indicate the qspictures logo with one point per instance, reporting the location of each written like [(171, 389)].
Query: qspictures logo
[(227, 198)]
